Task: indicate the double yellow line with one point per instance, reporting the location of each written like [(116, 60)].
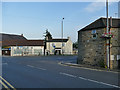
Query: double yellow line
[(1, 81)]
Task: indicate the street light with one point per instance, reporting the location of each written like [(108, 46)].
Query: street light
[(62, 34)]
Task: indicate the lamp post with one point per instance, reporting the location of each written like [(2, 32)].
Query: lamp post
[(62, 34), (107, 43)]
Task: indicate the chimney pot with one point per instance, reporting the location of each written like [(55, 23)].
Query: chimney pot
[(21, 34)]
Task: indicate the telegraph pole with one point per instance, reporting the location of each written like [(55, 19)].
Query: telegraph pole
[(107, 44)]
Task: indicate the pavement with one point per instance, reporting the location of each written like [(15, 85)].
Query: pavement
[(48, 72), (96, 68)]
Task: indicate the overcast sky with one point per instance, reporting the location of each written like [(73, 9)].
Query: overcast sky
[(33, 18)]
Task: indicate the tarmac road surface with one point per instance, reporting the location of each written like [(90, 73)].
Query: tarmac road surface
[(46, 72)]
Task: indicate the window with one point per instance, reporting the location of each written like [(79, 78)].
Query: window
[(93, 31), (17, 51), (94, 34), (37, 51), (6, 52), (29, 51), (17, 47), (63, 44)]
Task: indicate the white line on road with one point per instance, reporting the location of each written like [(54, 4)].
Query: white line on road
[(99, 82), (30, 66), (82, 78), (41, 68), (68, 75), (36, 67)]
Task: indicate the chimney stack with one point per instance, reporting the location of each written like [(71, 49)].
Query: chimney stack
[(22, 35), (68, 38)]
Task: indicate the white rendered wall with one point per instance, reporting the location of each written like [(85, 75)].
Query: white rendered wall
[(27, 50), (68, 47)]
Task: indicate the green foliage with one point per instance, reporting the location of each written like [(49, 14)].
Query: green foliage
[(47, 34), (101, 63), (75, 45)]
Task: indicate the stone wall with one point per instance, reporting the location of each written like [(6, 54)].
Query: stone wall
[(93, 51), (115, 47)]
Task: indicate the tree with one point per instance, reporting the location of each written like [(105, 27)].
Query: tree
[(75, 45), (47, 35)]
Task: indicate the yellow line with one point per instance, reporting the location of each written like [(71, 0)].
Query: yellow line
[(7, 83), (4, 85)]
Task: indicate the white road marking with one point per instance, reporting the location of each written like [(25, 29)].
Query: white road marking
[(99, 82), (41, 68), (82, 78), (68, 75), (36, 67), (30, 66)]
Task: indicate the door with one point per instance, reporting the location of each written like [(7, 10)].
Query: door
[(6, 52), (57, 52)]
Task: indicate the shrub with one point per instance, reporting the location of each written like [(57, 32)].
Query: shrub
[(101, 63)]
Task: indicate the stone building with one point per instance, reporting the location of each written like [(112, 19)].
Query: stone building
[(57, 46), (92, 44)]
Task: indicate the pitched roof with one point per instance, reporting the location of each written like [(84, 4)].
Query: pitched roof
[(23, 43), (11, 37), (18, 40), (35, 43), (101, 23), (57, 40)]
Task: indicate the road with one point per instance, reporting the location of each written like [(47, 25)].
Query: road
[(46, 72)]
